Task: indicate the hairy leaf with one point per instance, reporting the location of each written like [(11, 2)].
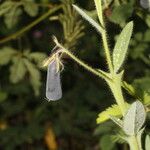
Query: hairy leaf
[(121, 46), (134, 118), (89, 19), (35, 76), (6, 54), (114, 110)]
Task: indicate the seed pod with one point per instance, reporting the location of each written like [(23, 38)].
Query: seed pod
[(53, 83), (145, 3)]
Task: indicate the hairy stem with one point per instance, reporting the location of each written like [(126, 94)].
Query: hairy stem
[(99, 9), (133, 143), (86, 66)]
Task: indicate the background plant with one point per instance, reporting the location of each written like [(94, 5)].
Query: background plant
[(28, 120)]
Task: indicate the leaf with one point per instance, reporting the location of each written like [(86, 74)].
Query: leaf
[(145, 4), (38, 57), (106, 143), (11, 17), (35, 76), (89, 19), (134, 118), (31, 8), (17, 70), (116, 120), (6, 53), (121, 46), (5, 7), (121, 13), (147, 142), (130, 89), (114, 110)]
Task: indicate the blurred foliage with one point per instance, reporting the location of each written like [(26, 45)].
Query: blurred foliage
[(27, 120)]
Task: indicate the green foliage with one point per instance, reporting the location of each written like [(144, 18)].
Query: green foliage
[(147, 142), (6, 54), (35, 76), (24, 116), (21, 64), (121, 13), (106, 143), (114, 110), (30, 7), (72, 26), (121, 46), (3, 96), (5, 7), (12, 16), (12, 10), (17, 70), (89, 19), (134, 119)]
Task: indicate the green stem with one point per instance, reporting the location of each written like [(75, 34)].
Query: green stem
[(116, 89), (28, 27), (99, 9), (133, 143), (98, 73), (86, 66)]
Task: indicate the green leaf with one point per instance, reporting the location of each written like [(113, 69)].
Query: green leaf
[(114, 110), (130, 89), (35, 76), (121, 46), (12, 16), (106, 143), (37, 57), (134, 118), (89, 19), (5, 7), (121, 13), (31, 8), (6, 54), (147, 142), (17, 70), (116, 121)]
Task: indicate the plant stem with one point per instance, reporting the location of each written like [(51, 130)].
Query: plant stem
[(99, 9), (28, 27), (86, 66), (133, 143)]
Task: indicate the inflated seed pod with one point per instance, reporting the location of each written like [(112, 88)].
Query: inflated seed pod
[(145, 3), (53, 83)]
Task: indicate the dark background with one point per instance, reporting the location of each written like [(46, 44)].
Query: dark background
[(27, 120)]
